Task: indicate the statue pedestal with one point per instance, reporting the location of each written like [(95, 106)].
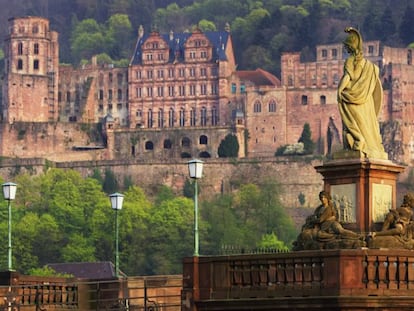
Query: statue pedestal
[(363, 190)]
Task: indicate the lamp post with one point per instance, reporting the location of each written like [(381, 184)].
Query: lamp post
[(195, 170), (9, 194), (116, 203)]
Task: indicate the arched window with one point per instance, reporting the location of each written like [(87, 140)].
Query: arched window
[(257, 107), (160, 118), (171, 117), (204, 154), (192, 117), (149, 145), (20, 48), (272, 106), (182, 117), (185, 155), (203, 140), (150, 120), (185, 142)]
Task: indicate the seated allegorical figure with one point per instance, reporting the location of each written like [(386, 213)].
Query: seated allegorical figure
[(323, 227), (398, 222)]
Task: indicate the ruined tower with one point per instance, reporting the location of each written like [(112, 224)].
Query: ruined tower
[(30, 86)]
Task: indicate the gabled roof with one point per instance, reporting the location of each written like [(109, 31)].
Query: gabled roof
[(86, 270), (258, 77), (176, 41)]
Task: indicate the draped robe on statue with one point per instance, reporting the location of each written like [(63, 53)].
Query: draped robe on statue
[(359, 105)]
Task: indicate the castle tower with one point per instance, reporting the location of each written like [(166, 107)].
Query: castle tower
[(30, 89)]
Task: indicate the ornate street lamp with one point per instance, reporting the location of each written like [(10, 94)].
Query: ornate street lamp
[(116, 203), (195, 170), (9, 194)]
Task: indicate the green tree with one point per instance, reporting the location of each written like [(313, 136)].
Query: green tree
[(110, 184), (229, 147), (171, 233), (306, 139), (206, 25)]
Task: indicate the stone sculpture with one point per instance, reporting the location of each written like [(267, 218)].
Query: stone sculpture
[(322, 230), (360, 99)]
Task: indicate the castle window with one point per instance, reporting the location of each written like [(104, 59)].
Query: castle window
[(257, 107), (272, 106), (203, 54), (192, 89), (110, 95), (101, 94), (138, 92), (149, 118), (59, 96), (149, 145), (203, 140), (304, 100), (409, 57), (20, 48), (242, 88), (233, 88), (36, 48), (36, 64), (192, 55), (35, 28), (120, 77), (170, 72), (214, 116), (149, 56), (185, 142), (160, 74), (110, 77), (149, 91), (290, 81), (203, 116), (324, 53), (160, 91), (203, 72), (138, 74), (110, 107), (203, 89), (192, 117), (181, 72), (334, 53), (171, 118), (160, 118), (323, 100), (192, 72), (149, 74), (171, 91), (68, 97), (335, 79), (370, 49), (214, 89), (19, 64), (181, 90), (138, 113), (167, 144), (119, 94), (182, 117)]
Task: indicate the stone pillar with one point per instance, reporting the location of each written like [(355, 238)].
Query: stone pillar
[(362, 189)]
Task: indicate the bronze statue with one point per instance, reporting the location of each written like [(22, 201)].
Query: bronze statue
[(359, 99), (323, 230)]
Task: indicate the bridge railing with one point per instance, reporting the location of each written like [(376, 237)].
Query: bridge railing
[(299, 274)]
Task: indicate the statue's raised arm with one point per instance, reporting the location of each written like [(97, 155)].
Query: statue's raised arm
[(360, 99)]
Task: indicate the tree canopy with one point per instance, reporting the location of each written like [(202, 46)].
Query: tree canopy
[(60, 216)]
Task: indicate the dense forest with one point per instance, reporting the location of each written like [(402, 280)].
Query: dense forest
[(59, 216), (261, 30)]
